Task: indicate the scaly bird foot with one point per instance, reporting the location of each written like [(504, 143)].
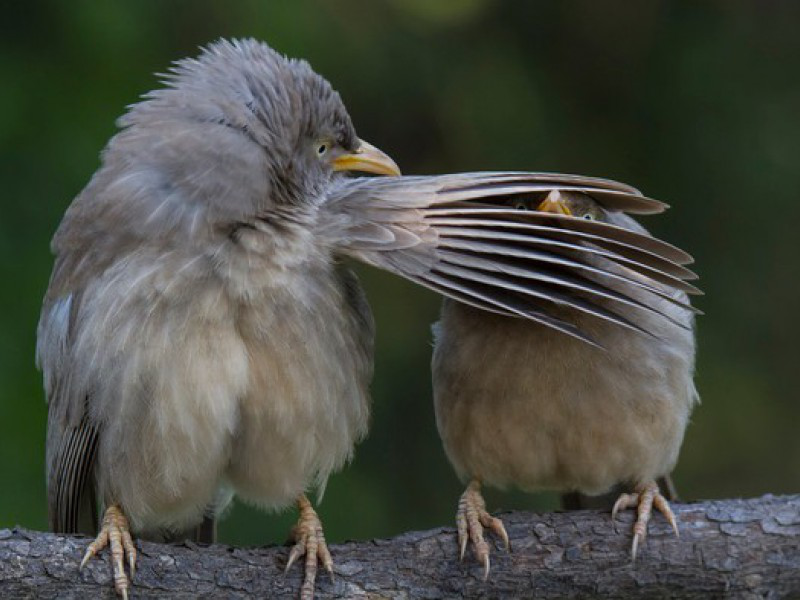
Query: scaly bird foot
[(116, 531), (645, 496), (471, 519), (309, 541)]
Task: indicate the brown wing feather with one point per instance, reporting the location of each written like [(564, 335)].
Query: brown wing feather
[(455, 234), (71, 502)]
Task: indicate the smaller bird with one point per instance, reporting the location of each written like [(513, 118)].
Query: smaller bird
[(521, 404)]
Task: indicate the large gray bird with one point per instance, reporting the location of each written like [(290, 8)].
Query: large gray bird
[(519, 404), (200, 339)]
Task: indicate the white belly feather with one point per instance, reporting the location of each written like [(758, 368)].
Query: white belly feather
[(217, 387)]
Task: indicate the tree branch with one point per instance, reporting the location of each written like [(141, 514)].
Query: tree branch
[(738, 548)]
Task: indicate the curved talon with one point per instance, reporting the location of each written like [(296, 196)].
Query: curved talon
[(295, 553), (646, 496), (471, 520), (115, 531), (624, 501), (665, 509), (462, 543), (496, 525)]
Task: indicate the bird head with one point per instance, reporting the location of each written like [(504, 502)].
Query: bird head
[(578, 205), (572, 204), (583, 206), (237, 132), (560, 202)]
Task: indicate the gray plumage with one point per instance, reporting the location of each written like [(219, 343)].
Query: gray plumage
[(520, 405), (199, 337), (439, 233), (186, 296)]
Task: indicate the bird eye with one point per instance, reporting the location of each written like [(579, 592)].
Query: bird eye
[(589, 217), (322, 149)]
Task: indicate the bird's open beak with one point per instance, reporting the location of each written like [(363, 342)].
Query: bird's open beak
[(554, 203), (367, 159)]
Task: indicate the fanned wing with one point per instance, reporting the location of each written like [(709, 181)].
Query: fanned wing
[(457, 235)]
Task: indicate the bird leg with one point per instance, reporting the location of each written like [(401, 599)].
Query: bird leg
[(644, 498), (309, 541), (115, 531), (471, 518)]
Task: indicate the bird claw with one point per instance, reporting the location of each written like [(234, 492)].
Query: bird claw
[(115, 531), (643, 499), (471, 520), (309, 541)]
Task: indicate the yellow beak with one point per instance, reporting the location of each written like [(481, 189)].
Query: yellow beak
[(367, 159), (554, 203)]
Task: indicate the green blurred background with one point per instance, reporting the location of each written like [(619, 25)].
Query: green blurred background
[(697, 103)]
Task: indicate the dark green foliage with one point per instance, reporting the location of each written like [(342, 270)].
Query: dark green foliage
[(697, 103)]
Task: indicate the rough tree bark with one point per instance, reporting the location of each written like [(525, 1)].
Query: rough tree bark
[(727, 548)]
